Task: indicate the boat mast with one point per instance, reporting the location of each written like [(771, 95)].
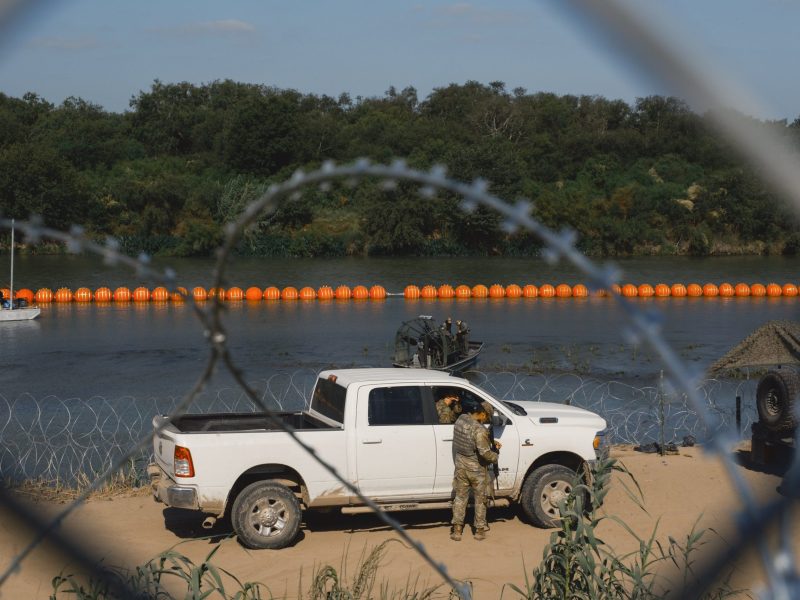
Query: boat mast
[(11, 300)]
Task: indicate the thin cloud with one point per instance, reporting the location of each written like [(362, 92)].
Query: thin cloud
[(465, 12), (210, 28), (62, 43)]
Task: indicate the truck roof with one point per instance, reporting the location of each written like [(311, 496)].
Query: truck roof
[(345, 377)]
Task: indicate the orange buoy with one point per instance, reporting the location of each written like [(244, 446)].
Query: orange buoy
[(742, 289), (789, 289), (234, 294), (480, 291), (377, 292), (325, 293), (411, 292), (6, 292), (27, 295), (645, 290), (463, 291), (83, 294), (629, 290), (215, 292), (662, 290), (272, 293), (122, 294), (513, 291), (547, 291), (63, 295), (774, 290), (103, 294), (307, 293), (199, 294), (678, 290), (579, 291), (179, 295), (563, 290), (530, 291), (289, 293), (710, 290), (343, 293), (360, 293), (161, 294), (497, 291), (428, 292), (616, 289), (446, 291), (600, 293), (726, 290), (694, 290), (141, 294), (44, 295), (758, 290), (253, 294)]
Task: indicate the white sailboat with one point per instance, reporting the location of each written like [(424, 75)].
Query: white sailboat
[(11, 312)]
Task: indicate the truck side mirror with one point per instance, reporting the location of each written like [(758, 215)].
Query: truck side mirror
[(498, 420)]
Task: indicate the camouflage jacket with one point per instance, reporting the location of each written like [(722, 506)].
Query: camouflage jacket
[(471, 447), (447, 414)]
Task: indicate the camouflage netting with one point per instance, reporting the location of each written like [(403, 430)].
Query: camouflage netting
[(774, 343)]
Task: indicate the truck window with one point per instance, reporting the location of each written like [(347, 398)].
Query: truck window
[(396, 406), (328, 399)]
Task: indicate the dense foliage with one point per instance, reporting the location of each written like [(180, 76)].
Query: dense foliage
[(166, 175)]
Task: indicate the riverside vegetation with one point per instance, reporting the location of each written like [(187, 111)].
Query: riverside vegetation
[(576, 564), (165, 176)]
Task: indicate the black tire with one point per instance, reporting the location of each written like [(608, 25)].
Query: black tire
[(542, 491), (775, 397), (266, 514)]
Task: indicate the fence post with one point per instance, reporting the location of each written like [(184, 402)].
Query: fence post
[(739, 415), (661, 424)]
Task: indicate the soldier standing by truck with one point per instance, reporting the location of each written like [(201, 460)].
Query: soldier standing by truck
[(472, 453), (448, 408)]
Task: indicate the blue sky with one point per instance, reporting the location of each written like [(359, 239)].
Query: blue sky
[(106, 51)]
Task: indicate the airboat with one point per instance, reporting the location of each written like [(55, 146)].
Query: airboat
[(423, 343)]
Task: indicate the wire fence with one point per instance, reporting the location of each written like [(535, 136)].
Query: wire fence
[(696, 407), (65, 441)]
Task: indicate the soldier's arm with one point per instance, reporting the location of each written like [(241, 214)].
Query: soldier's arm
[(484, 449)]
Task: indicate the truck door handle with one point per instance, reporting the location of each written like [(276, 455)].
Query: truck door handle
[(447, 439), (371, 441)]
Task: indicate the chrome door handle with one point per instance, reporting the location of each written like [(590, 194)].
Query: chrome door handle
[(371, 441)]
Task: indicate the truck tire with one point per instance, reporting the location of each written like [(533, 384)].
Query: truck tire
[(775, 397), (266, 514), (542, 492)]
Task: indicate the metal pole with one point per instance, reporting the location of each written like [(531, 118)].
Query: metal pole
[(739, 415), (11, 300)]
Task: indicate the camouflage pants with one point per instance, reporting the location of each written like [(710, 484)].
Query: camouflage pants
[(463, 482)]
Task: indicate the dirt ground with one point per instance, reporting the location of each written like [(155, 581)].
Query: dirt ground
[(678, 490)]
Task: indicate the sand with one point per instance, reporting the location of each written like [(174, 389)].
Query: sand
[(678, 491)]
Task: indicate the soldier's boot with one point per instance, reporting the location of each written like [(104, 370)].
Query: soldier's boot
[(480, 534), (455, 534)]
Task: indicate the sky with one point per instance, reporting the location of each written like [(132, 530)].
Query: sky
[(107, 51)]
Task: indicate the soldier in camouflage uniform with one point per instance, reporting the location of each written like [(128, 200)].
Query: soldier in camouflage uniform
[(448, 407), (472, 453)]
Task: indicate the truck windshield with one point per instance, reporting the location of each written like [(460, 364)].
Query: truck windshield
[(328, 400)]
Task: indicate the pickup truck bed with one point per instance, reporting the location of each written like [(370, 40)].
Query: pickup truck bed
[(224, 422)]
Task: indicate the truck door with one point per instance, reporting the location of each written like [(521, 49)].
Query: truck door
[(395, 445), (505, 433)]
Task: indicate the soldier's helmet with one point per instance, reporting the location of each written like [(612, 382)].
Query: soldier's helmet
[(487, 408)]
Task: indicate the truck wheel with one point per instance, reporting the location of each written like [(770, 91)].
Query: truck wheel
[(266, 515), (542, 492), (774, 398)]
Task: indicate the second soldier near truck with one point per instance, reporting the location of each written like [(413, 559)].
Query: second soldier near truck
[(472, 453)]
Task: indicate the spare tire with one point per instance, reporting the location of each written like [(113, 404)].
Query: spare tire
[(775, 399)]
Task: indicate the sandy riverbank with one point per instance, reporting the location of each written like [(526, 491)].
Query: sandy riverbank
[(677, 491)]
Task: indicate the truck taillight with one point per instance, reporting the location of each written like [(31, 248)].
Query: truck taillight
[(182, 464)]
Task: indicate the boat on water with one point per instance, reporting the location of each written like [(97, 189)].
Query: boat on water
[(423, 343), (12, 309)]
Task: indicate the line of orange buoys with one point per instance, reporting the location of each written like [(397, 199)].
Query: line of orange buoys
[(411, 292)]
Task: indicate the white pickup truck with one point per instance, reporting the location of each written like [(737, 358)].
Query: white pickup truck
[(379, 429)]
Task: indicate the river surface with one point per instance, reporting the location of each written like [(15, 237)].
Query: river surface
[(158, 350)]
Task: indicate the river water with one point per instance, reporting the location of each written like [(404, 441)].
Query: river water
[(158, 350)]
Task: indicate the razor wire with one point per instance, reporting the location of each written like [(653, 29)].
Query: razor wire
[(67, 442), (781, 574)]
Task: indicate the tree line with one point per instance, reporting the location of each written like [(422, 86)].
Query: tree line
[(166, 175)]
